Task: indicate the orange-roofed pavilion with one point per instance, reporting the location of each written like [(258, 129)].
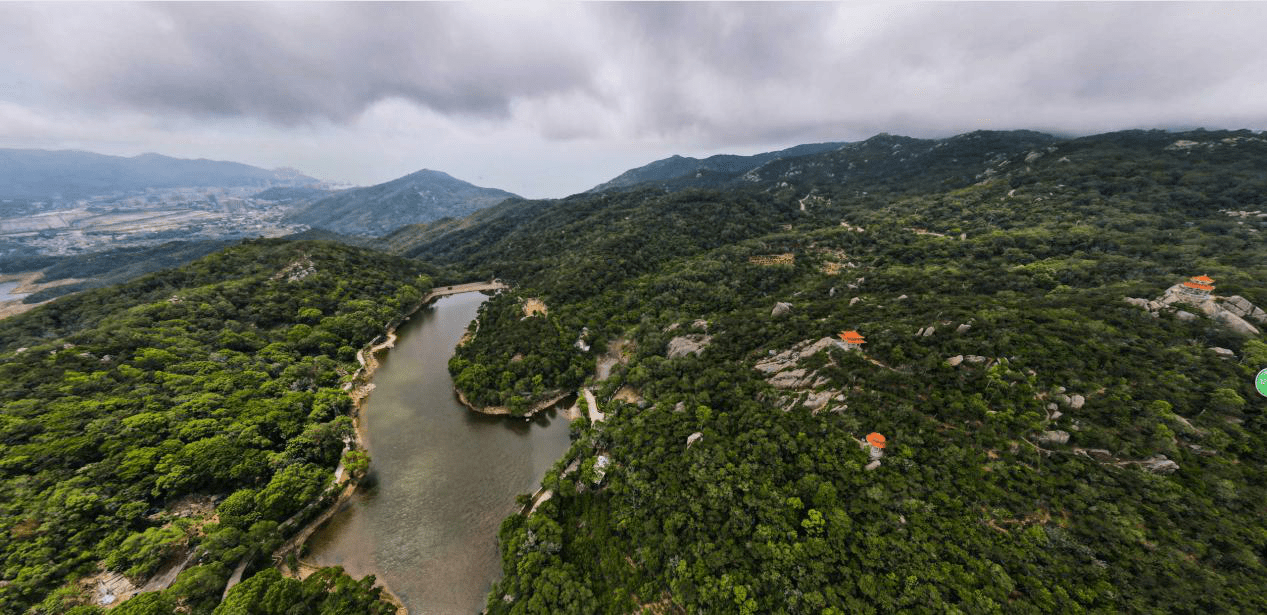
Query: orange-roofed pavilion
[(1199, 286)]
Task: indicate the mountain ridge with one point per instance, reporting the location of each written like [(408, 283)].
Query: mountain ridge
[(421, 196), (678, 166), (72, 174)]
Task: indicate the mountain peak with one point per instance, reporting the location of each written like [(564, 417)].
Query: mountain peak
[(421, 196)]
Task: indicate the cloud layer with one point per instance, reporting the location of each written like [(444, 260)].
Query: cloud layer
[(684, 77)]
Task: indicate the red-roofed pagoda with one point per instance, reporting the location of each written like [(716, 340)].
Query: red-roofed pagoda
[(853, 340), (1199, 287)]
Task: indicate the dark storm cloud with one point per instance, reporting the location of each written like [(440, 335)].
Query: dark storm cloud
[(709, 74), (298, 61)]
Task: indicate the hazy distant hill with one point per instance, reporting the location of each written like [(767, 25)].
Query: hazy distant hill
[(681, 166), (43, 174), (418, 197), (292, 194)]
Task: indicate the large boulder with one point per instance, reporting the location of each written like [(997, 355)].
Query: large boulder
[(816, 400), (688, 344), (781, 309), (1241, 306), (789, 357), (1137, 302), (955, 360), (1159, 464), (790, 379), (1235, 323), (961, 329), (1076, 402), (1055, 436)]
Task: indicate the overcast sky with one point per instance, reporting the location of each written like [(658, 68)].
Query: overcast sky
[(550, 99)]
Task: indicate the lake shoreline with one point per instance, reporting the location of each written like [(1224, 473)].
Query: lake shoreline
[(552, 398), (359, 387)]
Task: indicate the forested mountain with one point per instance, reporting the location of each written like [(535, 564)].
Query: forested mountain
[(418, 197), (108, 267), (725, 164), (183, 417), (44, 174), (1051, 447)]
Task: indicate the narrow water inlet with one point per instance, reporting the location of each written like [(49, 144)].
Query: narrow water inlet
[(443, 477)]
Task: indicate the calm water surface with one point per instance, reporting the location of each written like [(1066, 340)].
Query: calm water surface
[(446, 476), (6, 291)]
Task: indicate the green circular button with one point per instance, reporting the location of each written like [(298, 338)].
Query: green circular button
[(1260, 383)]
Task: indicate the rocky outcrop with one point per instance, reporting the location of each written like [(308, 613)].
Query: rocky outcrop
[(1241, 307), (693, 438), (817, 399), (781, 309), (1235, 323), (961, 329), (688, 344), (1223, 352), (788, 358), (1097, 454), (1055, 436), (791, 379), (782, 372), (926, 331), (1233, 312), (1159, 464), (970, 358)]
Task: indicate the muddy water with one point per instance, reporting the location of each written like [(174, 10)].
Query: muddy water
[(446, 476)]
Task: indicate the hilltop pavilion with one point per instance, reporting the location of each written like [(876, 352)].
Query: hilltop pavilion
[(1198, 287), (853, 340)]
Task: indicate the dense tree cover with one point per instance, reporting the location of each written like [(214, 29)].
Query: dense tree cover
[(108, 267), (771, 510), (529, 356), (220, 378), (326, 592)]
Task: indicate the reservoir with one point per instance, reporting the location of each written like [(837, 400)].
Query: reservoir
[(6, 291), (445, 476)]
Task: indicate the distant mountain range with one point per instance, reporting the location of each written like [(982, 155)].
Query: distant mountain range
[(725, 164), (418, 197), (882, 161), (65, 175)]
